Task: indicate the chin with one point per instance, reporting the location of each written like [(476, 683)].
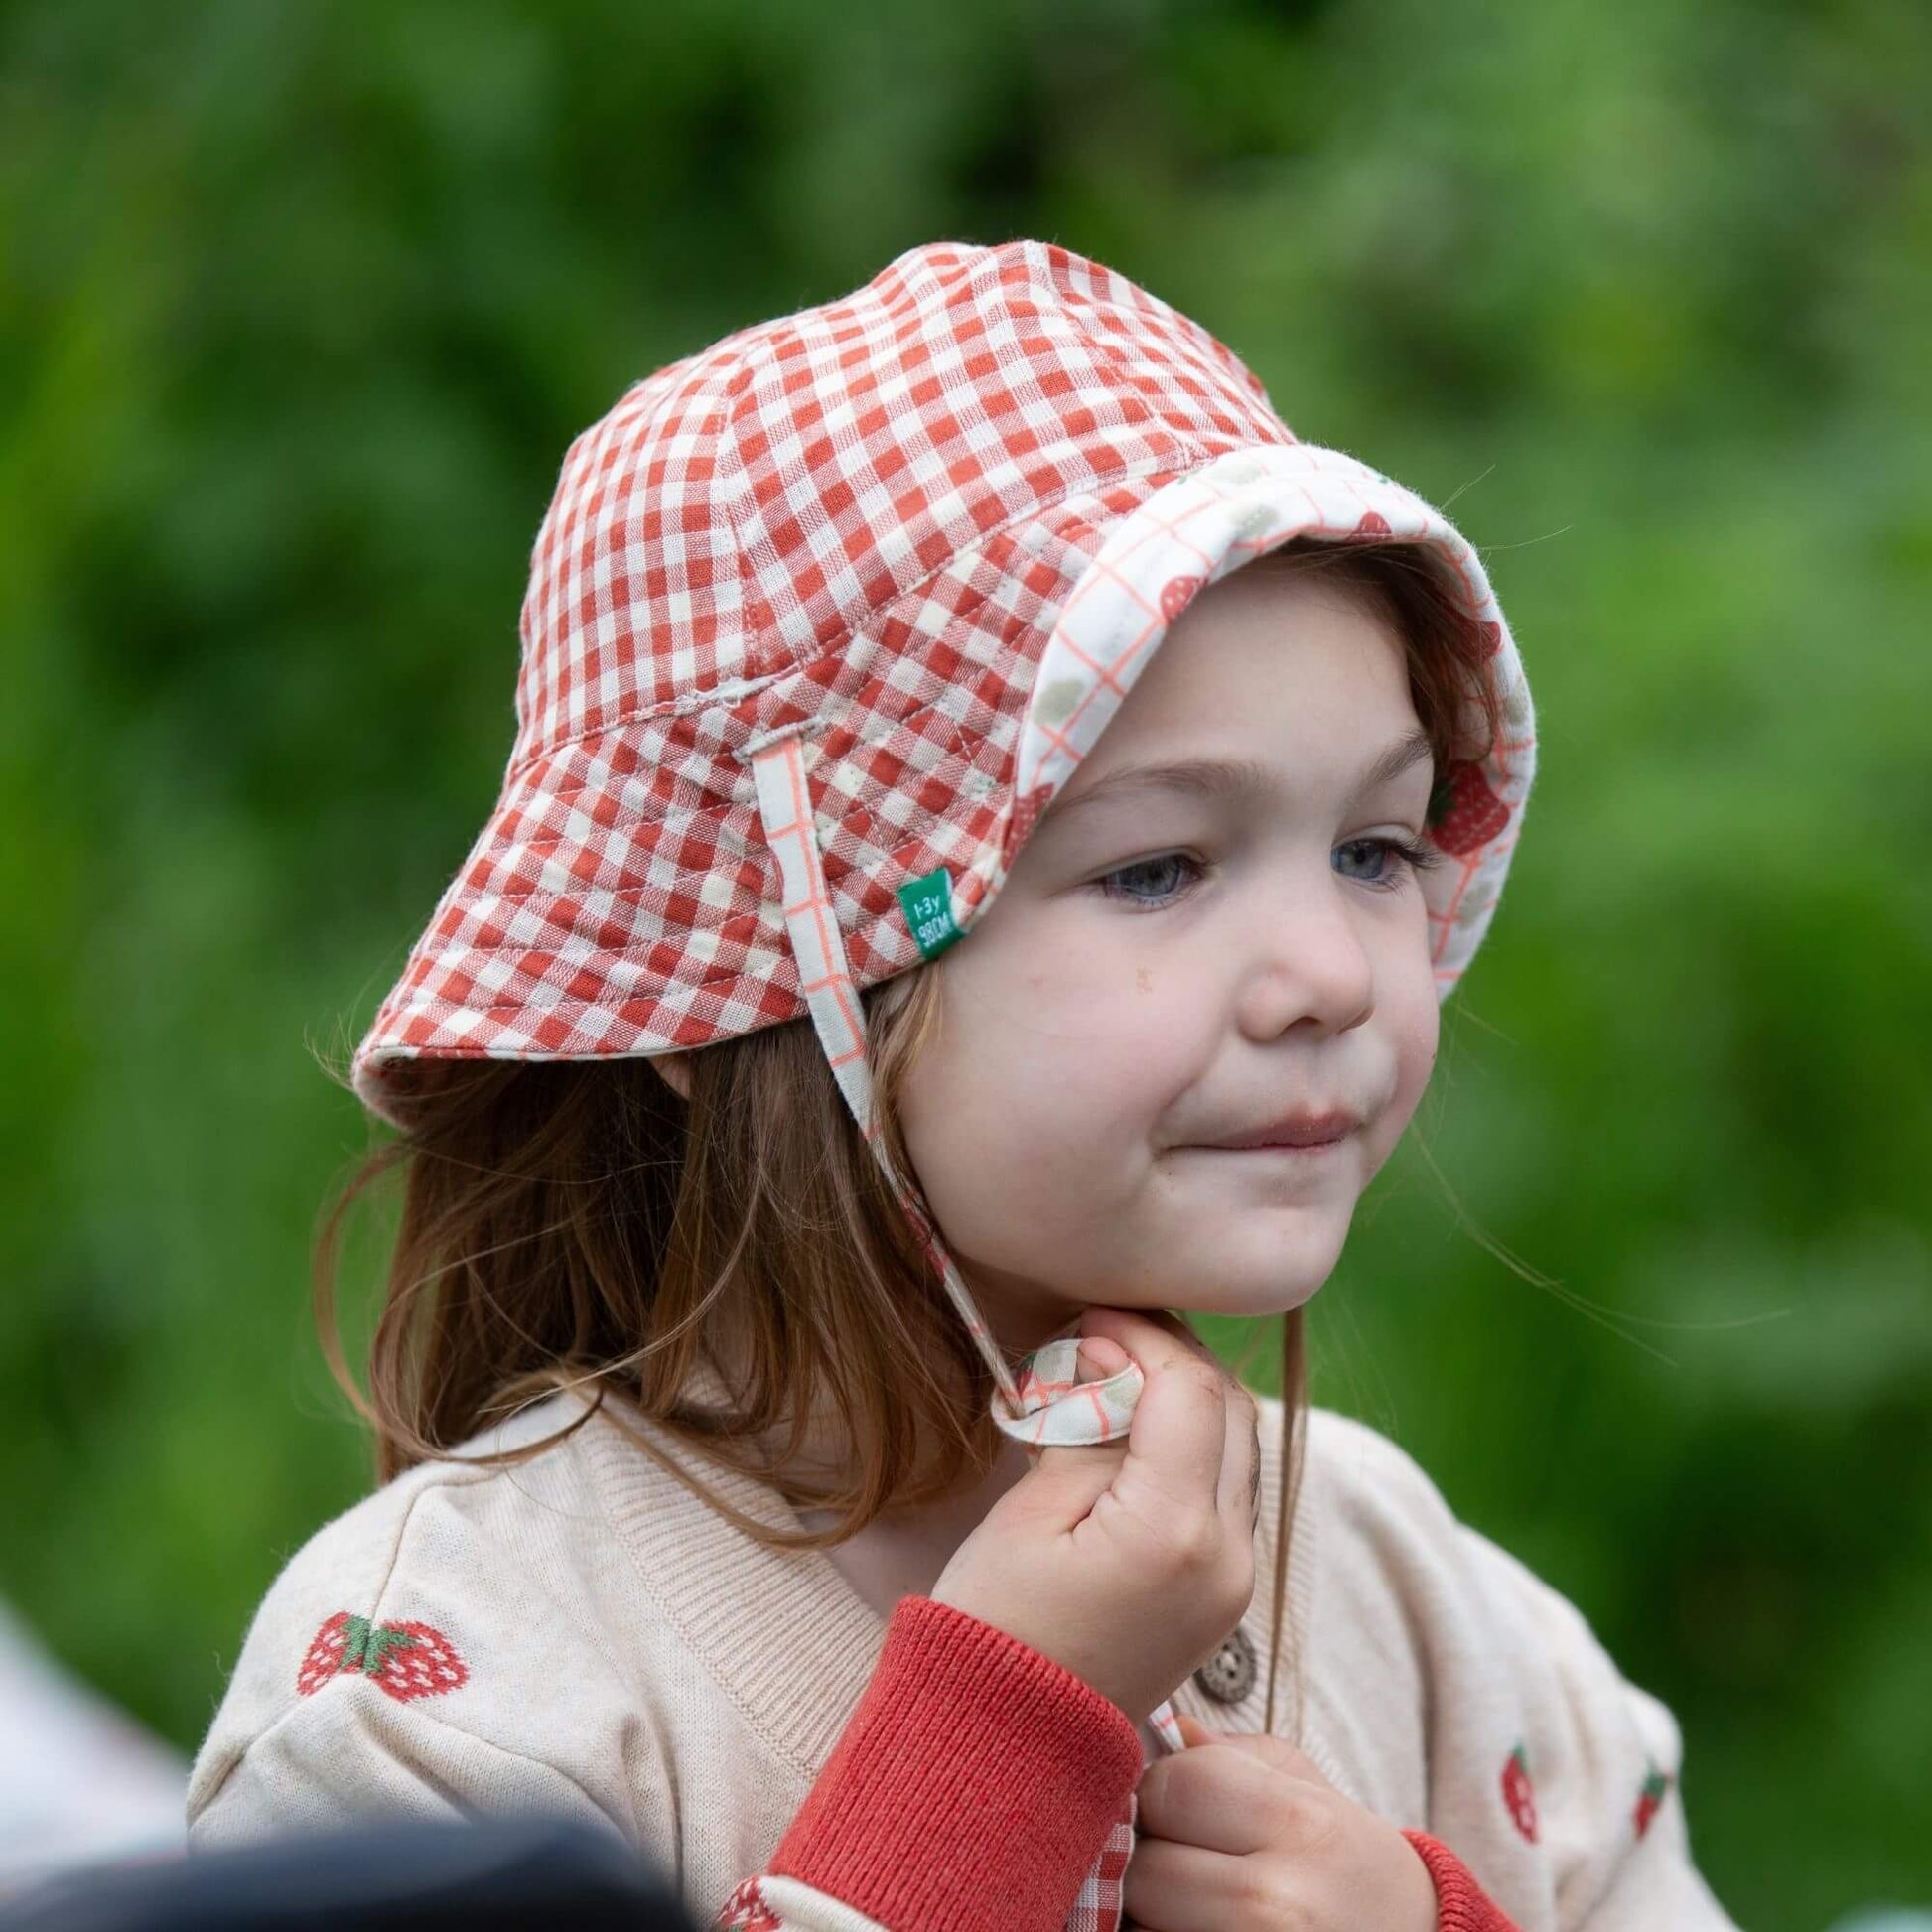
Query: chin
[(1265, 1299), (1265, 1282)]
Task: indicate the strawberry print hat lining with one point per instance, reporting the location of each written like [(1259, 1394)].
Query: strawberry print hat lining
[(819, 622)]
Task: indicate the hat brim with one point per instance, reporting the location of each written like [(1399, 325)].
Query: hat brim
[(620, 900)]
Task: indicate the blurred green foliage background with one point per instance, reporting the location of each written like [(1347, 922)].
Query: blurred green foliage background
[(299, 307)]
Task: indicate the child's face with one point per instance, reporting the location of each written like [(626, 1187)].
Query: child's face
[(1172, 964)]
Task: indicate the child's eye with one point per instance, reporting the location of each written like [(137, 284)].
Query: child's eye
[(1416, 856), (1150, 882)]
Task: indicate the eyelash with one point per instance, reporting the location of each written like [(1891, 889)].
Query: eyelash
[(1416, 855)]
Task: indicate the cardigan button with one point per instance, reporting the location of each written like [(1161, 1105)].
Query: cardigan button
[(1229, 1675)]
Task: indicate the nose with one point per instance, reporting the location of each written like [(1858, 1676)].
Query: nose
[(1308, 964)]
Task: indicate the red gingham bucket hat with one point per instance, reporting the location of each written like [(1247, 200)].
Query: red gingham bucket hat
[(820, 620)]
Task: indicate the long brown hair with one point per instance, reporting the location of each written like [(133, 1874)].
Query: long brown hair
[(577, 1224)]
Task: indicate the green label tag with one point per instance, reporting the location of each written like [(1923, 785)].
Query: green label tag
[(928, 911)]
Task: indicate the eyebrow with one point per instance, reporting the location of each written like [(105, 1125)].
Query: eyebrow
[(1237, 779)]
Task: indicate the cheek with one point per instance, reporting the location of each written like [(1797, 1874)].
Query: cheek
[(1414, 1032), (1038, 1097), (1056, 1015), (991, 1137)]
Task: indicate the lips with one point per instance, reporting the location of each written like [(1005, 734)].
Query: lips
[(1297, 1130)]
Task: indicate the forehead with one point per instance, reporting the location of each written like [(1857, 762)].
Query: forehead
[(1280, 667)]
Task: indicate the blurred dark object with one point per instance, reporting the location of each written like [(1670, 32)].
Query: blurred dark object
[(506, 1875)]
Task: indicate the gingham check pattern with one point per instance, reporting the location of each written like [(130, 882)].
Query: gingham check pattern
[(1102, 1901), (867, 519), (845, 599), (867, 516)]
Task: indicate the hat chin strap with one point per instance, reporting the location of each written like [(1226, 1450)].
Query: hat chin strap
[(1040, 1404)]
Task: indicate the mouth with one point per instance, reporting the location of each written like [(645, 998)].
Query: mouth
[(1298, 1133)]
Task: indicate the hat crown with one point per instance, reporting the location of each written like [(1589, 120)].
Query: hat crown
[(743, 510)]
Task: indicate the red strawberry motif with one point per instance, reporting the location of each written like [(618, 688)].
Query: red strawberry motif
[(1650, 1799), (1463, 813), (746, 1911), (421, 1664), (1373, 528), (1518, 1795), (407, 1660), (1175, 596), (1484, 639), (324, 1655)]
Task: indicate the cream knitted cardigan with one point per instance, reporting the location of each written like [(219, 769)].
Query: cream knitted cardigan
[(580, 1634)]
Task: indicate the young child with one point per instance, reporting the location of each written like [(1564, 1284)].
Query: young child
[(992, 819)]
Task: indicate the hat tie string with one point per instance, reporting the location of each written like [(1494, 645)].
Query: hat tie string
[(1040, 1404)]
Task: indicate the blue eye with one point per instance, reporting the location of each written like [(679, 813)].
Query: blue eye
[(1150, 882), (1412, 855)]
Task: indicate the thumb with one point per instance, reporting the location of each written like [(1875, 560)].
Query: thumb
[(1099, 1358), (1276, 1752), (1070, 1479)]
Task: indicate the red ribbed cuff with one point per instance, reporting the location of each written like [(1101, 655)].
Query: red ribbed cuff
[(972, 1788), (1461, 1905)]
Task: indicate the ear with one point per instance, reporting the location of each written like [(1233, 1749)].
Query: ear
[(676, 1072)]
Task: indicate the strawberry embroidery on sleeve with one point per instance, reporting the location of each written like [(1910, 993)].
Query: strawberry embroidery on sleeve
[(1650, 1799), (407, 1660), (1518, 1794), (324, 1655)]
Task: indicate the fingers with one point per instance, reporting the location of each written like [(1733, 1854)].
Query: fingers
[(1152, 1335), (1274, 1752), (1071, 1481), (1239, 1496), (1098, 1359), (1219, 1800), (1180, 1431), (1181, 1887)]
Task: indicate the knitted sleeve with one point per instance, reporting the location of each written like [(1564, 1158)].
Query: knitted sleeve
[(977, 1784), (1461, 1905), (1595, 1776), (969, 1792), (354, 1751), (977, 1788)]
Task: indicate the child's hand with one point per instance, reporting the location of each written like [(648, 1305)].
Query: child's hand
[(1128, 1562), (1245, 1832)]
